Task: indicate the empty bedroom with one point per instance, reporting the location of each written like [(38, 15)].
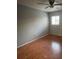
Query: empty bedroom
[(39, 29)]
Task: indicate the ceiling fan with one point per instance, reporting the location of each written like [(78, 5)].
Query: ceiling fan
[(51, 4)]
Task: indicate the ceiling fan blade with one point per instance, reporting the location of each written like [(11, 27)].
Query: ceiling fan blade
[(46, 7), (43, 4), (58, 4)]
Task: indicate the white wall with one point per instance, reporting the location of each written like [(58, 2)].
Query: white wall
[(55, 29), (31, 24)]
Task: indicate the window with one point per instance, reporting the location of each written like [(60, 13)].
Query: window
[(55, 20)]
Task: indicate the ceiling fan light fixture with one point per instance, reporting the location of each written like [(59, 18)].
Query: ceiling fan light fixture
[(51, 4)]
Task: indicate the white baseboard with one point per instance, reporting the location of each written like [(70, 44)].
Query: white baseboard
[(31, 41)]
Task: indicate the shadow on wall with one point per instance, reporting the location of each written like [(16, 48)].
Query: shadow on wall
[(31, 24)]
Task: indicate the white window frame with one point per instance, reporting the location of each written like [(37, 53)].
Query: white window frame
[(55, 20)]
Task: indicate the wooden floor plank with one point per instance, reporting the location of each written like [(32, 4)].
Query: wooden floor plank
[(48, 47)]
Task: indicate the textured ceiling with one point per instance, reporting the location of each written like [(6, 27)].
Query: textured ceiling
[(34, 4)]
